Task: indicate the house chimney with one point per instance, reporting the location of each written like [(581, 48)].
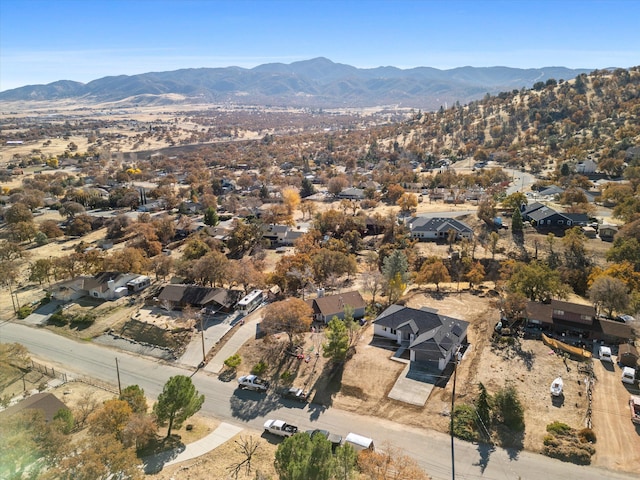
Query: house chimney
[(110, 285), (320, 292)]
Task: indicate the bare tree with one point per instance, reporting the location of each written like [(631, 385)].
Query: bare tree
[(246, 447)]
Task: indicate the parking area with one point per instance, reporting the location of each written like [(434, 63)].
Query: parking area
[(618, 439)]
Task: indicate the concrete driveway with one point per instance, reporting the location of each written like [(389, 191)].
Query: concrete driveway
[(42, 314)]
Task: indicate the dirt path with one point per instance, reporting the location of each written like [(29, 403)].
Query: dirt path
[(618, 445)]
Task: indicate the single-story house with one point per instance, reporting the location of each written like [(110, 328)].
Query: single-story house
[(214, 299), (576, 320), (46, 402), (104, 285), (351, 194), (432, 339), (628, 355), (329, 306), (424, 228), (548, 218)]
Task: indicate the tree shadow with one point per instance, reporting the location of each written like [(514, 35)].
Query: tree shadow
[(165, 450), (328, 385), (484, 450), (247, 405), (228, 375), (511, 440)]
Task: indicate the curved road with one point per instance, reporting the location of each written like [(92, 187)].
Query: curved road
[(249, 409)]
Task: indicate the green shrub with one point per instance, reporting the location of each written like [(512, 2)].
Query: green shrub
[(550, 441), (46, 299), (508, 409), (58, 318), (286, 376), (558, 428), (259, 368), (233, 361), (464, 422), (586, 435), (83, 321), (24, 312), (64, 418)]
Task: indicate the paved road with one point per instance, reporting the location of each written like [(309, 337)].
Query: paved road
[(249, 409)]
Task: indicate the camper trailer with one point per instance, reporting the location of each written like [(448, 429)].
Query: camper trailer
[(358, 442)]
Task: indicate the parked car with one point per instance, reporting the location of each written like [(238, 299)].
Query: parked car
[(629, 375), (294, 393), (605, 354), (280, 428), (336, 440), (634, 404), (253, 382)]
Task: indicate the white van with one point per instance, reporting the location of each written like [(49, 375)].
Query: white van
[(629, 375), (358, 442), (605, 354)]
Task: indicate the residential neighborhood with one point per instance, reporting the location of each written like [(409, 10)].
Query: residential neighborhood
[(395, 278)]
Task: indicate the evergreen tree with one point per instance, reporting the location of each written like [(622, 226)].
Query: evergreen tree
[(178, 401), (337, 345), (210, 217), (516, 221)]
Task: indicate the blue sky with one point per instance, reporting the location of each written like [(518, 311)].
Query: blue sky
[(42, 41)]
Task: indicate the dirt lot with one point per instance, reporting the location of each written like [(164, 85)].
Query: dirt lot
[(618, 444), (529, 365)]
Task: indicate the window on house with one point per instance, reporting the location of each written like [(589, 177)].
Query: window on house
[(558, 312), (95, 294), (586, 317), (560, 222)]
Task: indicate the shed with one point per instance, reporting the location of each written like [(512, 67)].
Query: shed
[(628, 355)]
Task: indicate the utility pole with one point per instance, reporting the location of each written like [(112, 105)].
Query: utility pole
[(118, 373), (453, 399), (204, 355)]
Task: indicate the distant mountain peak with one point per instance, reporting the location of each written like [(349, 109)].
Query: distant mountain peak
[(317, 82)]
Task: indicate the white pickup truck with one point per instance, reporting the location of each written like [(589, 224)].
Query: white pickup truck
[(280, 427), (253, 382)]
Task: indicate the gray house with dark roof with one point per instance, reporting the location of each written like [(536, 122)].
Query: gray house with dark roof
[(425, 229), (431, 338)]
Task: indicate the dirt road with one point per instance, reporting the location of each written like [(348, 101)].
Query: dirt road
[(618, 444)]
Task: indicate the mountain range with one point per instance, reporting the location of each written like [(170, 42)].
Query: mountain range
[(318, 83)]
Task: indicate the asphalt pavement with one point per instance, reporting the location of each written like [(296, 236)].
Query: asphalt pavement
[(248, 410)]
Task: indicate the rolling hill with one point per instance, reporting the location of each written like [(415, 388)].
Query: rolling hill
[(317, 83)]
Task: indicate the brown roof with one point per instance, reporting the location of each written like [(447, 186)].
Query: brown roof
[(615, 329), (47, 402), (539, 311), (332, 304), (628, 349), (573, 307)]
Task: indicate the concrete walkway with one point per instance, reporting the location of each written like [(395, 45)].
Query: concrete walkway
[(244, 333), (220, 435)]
